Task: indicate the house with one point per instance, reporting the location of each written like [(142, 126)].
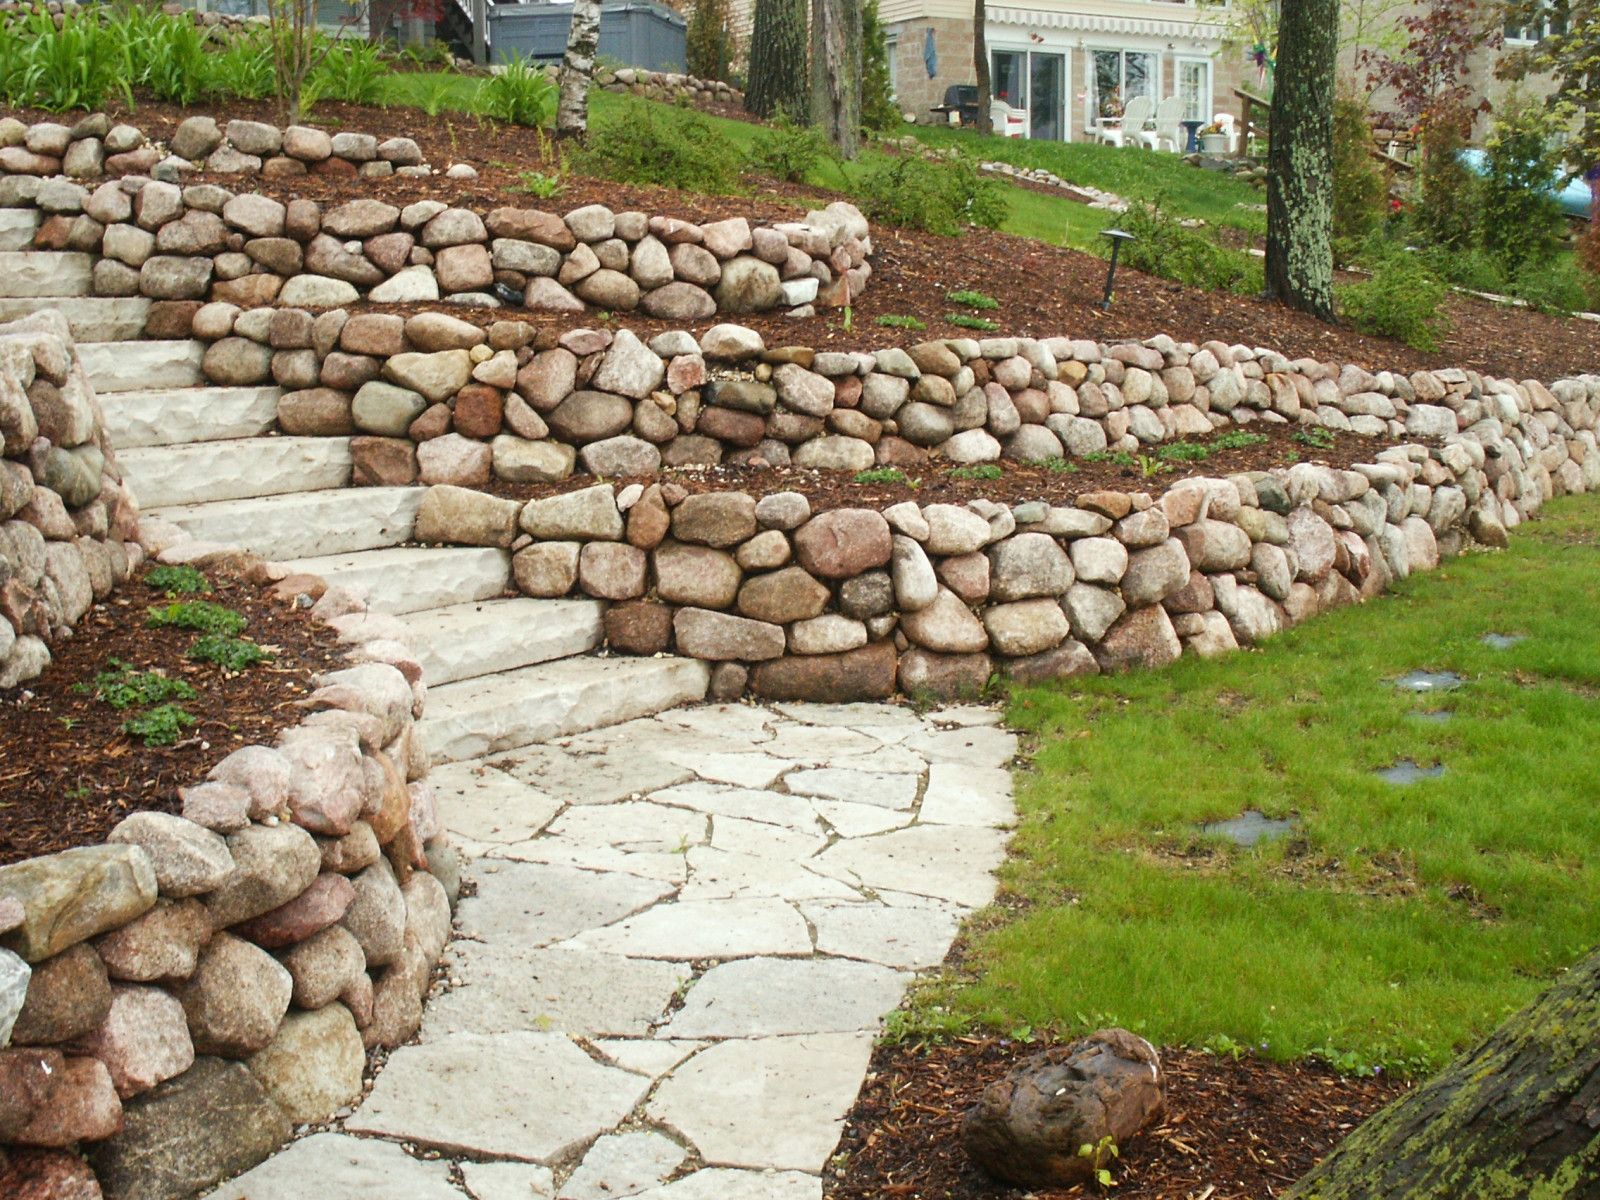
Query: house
[(1068, 63)]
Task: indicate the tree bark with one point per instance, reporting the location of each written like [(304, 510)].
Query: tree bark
[(1516, 1118), (577, 69), (778, 60), (1300, 160), (980, 63), (836, 83)]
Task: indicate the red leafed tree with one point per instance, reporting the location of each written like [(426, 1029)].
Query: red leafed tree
[(1430, 77)]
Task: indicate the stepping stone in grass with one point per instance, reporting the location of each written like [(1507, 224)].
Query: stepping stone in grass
[(1429, 681), (1250, 828), (1437, 716), (1406, 771), (1502, 641)]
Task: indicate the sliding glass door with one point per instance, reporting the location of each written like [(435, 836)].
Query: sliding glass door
[(1008, 78), (1047, 84)]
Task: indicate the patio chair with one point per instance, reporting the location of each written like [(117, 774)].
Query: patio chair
[(1132, 123), (1005, 121), (1168, 132)]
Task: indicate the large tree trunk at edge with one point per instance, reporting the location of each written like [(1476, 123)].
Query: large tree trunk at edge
[(778, 60), (1300, 162), (836, 81), (980, 63), (577, 69), (1516, 1118)]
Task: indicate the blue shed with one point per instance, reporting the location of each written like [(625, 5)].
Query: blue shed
[(635, 33)]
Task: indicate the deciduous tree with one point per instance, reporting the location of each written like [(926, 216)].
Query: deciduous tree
[(778, 60), (1300, 159), (980, 62), (1571, 53), (836, 79), (577, 69)]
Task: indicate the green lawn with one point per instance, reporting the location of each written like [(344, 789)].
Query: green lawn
[(1141, 174), (1404, 921)]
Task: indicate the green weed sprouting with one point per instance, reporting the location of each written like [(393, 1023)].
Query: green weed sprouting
[(159, 726), (202, 616)]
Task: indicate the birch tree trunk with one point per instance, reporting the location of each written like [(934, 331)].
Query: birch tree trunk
[(577, 69), (778, 60), (1300, 160), (980, 62), (1517, 1118), (836, 81)]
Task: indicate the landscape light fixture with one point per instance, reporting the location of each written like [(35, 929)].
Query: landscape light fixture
[(1116, 237)]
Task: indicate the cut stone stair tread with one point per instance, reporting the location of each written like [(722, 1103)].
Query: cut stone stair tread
[(533, 704), (17, 227), (181, 416), (162, 476), (304, 524), (142, 366), (404, 579), (91, 318), (45, 273), (467, 641)]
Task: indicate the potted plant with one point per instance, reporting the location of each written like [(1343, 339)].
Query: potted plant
[(1213, 139)]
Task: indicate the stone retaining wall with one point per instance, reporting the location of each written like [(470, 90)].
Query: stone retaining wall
[(67, 527), (176, 1000), (181, 244), (440, 400), (853, 604)]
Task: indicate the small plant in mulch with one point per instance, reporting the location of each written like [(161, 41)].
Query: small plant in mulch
[(202, 616), (159, 726), (972, 299), (544, 185), (177, 581), (893, 475), (122, 687), (232, 654), (1314, 436), (900, 321), (966, 321), (980, 471), (1056, 465)]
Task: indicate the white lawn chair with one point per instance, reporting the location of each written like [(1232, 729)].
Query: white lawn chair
[(1230, 129), (1132, 124), (1005, 121), (1168, 132)]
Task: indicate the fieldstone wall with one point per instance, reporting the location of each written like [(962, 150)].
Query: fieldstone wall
[(67, 527), (152, 235), (853, 604), (176, 1000)]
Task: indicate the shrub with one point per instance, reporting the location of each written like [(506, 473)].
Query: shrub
[(1162, 246), (522, 94), (879, 112), (243, 68), (708, 47), (1359, 190), (941, 197), (1521, 222), (789, 151), (664, 146), (1444, 201), (352, 71), (1559, 286), (1401, 300)]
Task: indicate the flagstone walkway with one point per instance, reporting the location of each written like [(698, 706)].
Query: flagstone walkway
[(685, 934)]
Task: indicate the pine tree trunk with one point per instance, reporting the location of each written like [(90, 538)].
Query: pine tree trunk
[(1516, 1118), (836, 84), (980, 62), (577, 69), (778, 60), (1300, 161)]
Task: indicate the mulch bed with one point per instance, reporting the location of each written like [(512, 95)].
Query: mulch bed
[(1233, 1130), (933, 483), (1046, 291), (67, 772)]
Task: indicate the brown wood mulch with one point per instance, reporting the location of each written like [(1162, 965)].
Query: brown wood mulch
[(1232, 1130), (67, 772), (1045, 291), (941, 482)]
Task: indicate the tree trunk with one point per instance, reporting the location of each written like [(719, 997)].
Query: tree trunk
[(577, 69), (980, 62), (836, 83), (778, 60), (1300, 161), (1516, 1118)]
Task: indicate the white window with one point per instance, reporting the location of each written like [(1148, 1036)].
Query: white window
[(891, 51), (1194, 85), (1117, 76), (1552, 19)]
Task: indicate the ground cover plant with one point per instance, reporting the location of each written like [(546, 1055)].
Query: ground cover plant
[(1396, 922)]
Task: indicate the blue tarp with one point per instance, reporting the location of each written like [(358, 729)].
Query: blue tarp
[(1575, 198)]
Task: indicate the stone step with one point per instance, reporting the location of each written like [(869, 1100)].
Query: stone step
[(405, 579), (91, 318), (17, 227), (141, 366), (176, 416), (305, 524), (45, 273), (162, 476), (465, 641), (517, 708)]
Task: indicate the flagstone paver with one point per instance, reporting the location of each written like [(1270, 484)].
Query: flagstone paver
[(681, 937)]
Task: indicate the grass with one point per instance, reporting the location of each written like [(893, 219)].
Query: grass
[(1402, 922)]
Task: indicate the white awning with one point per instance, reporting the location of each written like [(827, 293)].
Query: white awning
[(1193, 27)]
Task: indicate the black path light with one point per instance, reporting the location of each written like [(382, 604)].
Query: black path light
[(1116, 238)]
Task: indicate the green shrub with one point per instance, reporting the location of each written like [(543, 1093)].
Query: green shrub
[(521, 94), (230, 653), (1359, 190), (352, 72), (1162, 246), (708, 46), (789, 151), (1559, 286), (243, 68), (159, 726), (941, 197), (1445, 199), (1520, 222), (203, 616), (663, 146), (879, 112), (1402, 300), (122, 687)]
